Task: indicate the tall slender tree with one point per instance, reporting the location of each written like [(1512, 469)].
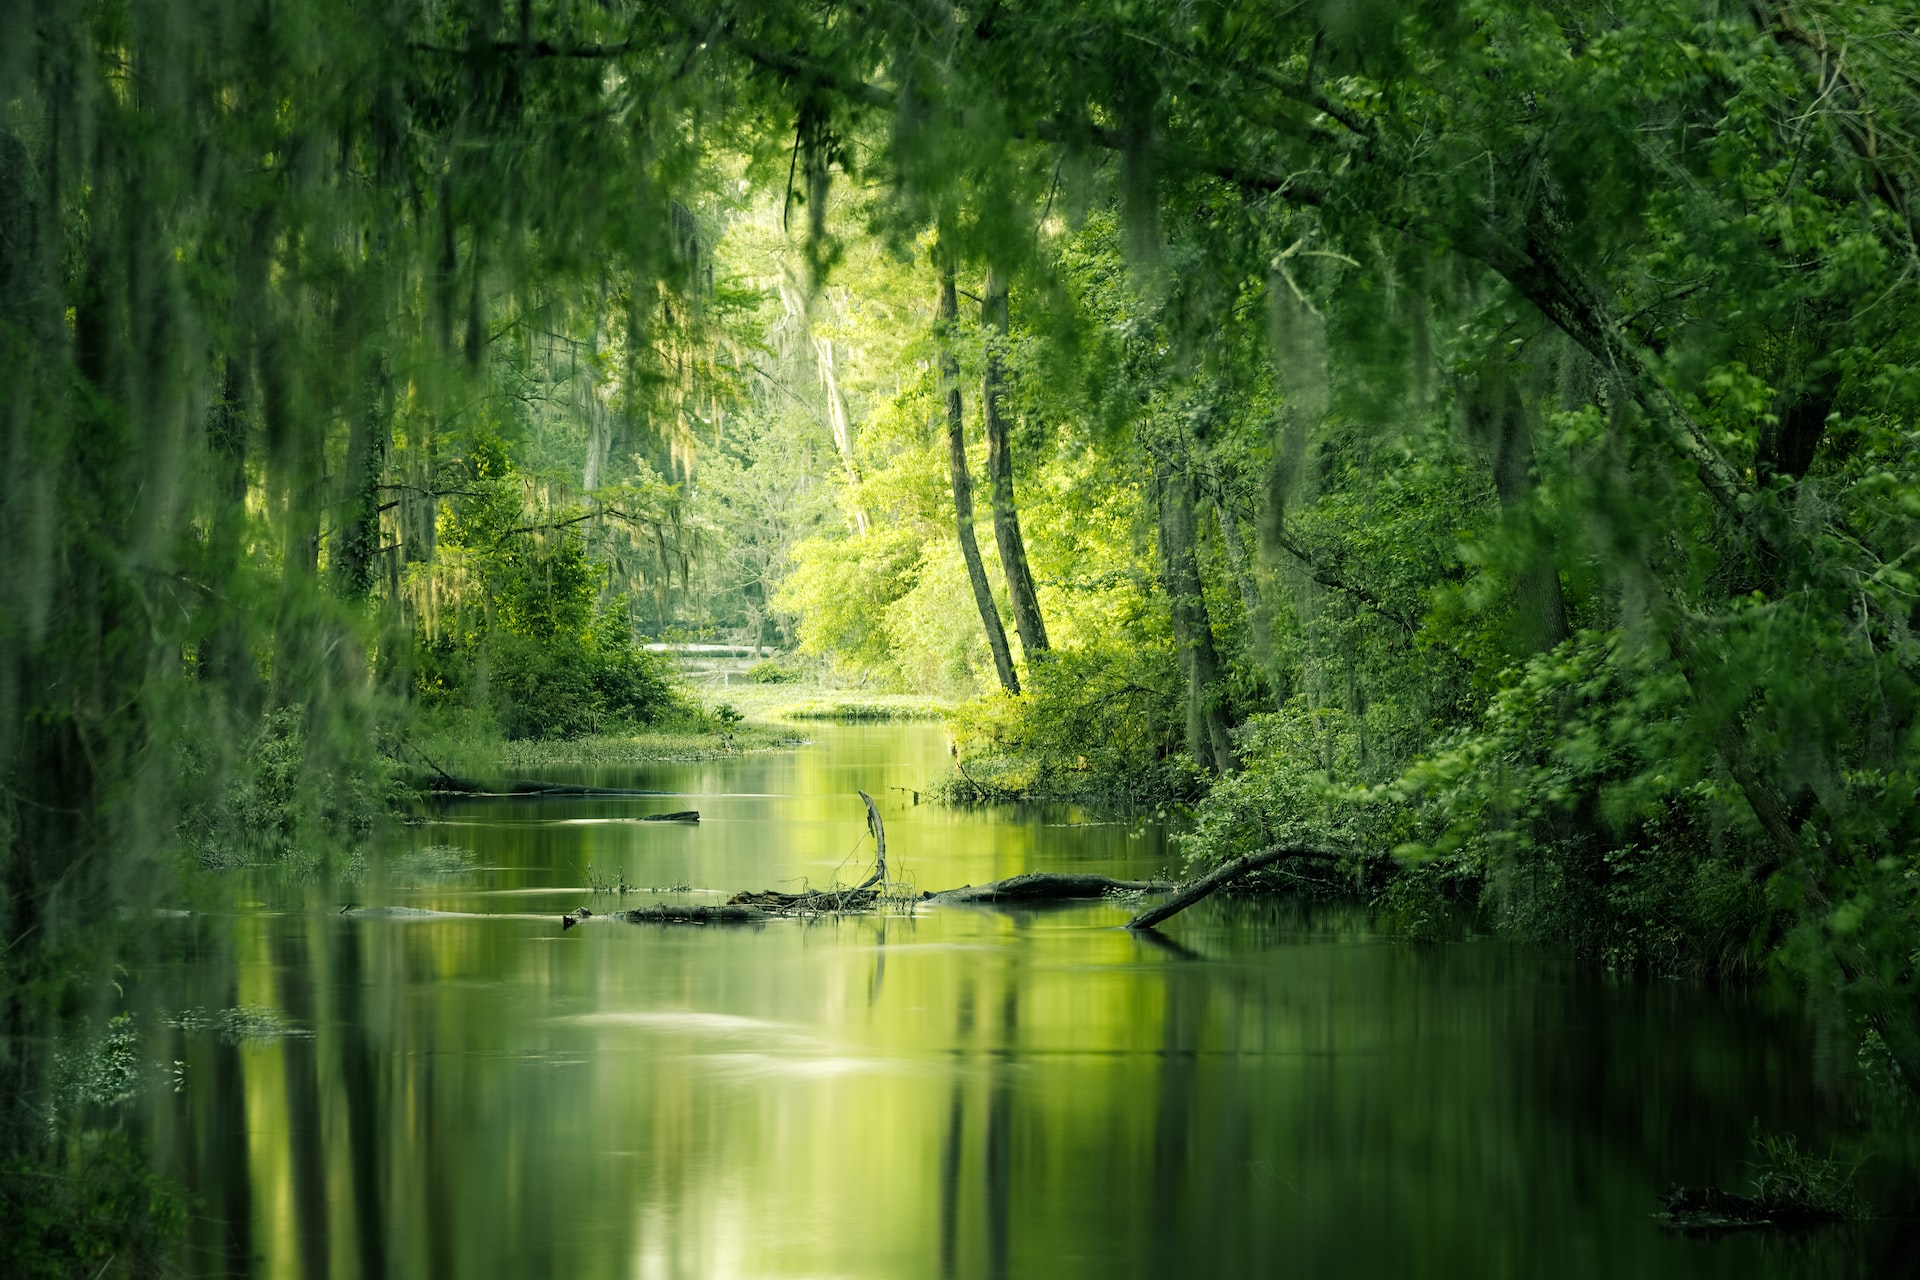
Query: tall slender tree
[(1209, 735), (1006, 515), (948, 315)]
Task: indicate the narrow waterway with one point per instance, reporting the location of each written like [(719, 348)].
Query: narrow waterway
[(955, 1092)]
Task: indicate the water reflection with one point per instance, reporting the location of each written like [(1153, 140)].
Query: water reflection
[(964, 1092)]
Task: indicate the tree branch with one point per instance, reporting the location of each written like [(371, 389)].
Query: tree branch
[(570, 520), (1225, 875)]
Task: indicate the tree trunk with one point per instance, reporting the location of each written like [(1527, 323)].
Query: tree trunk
[(356, 533), (295, 471), (1226, 874), (1240, 563), (949, 312), (841, 425), (1006, 516), (1502, 421), (1207, 729), (225, 658)]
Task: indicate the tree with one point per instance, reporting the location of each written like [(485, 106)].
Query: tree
[(1006, 515), (949, 315)]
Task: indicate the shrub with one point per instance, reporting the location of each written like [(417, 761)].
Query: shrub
[(1090, 723), (563, 686), (773, 671), (78, 1217)]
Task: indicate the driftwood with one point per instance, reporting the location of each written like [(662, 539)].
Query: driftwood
[(858, 898), (1045, 886), (1711, 1209), (1037, 886), (1225, 875), (810, 900), (692, 913), (879, 832)]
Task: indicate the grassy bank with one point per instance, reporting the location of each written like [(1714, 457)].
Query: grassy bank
[(797, 702), (471, 754)]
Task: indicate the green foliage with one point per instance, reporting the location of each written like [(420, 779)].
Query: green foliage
[(290, 789), (1795, 1184), (535, 642), (775, 671), (1090, 723), (1293, 790), (103, 1072), (100, 1207), (1590, 809), (573, 684), (841, 590)]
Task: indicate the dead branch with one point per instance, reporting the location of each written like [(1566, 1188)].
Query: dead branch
[(1227, 874), (692, 913)]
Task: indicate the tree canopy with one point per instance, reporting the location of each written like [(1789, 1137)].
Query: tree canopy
[(1484, 431)]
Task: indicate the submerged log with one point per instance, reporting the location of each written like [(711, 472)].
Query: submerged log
[(1711, 1209), (811, 900), (858, 898), (684, 815), (692, 913), (1225, 875), (1046, 886)]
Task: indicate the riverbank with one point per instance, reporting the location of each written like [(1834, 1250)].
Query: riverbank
[(469, 754), (780, 703), (747, 720), (577, 1057)]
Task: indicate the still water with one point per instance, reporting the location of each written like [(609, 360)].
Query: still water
[(962, 1091)]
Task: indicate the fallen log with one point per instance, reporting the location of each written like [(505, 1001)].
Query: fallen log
[(1711, 1209), (1225, 875), (691, 913), (1046, 886), (811, 900), (858, 898), (684, 815)]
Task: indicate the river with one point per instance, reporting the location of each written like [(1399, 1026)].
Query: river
[(959, 1091)]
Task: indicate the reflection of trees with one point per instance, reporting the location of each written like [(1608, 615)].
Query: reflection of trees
[(1020, 1088)]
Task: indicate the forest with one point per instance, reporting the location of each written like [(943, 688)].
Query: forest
[(1467, 451)]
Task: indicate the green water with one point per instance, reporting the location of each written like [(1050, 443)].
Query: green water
[(961, 1091)]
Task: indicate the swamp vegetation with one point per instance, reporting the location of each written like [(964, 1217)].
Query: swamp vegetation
[(1470, 445)]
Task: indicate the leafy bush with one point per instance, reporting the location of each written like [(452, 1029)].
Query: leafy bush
[(1290, 791), (1591, 810), (78, 1217), (564, 686), (774, 671), (1090, 723), (289, 787), (532, 640)]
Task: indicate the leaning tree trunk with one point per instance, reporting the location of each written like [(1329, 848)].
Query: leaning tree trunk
[(1006, 516), (1208, 737), (949, 313)]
